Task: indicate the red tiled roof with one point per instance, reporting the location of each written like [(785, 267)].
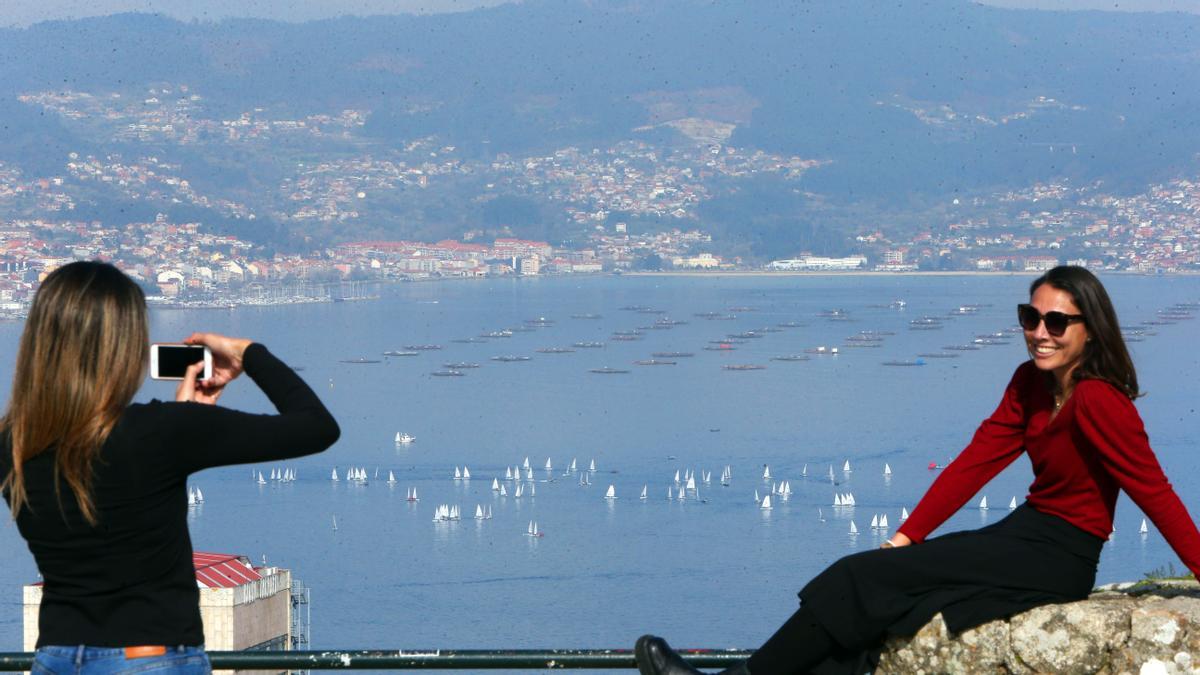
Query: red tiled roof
[(222, 570)]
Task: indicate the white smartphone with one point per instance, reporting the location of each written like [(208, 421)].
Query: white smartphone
[(171, 361)]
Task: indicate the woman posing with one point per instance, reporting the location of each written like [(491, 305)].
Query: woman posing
[(98, 486), (1070, 408)]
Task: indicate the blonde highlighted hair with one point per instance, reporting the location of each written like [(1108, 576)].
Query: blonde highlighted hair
[(82, 358)]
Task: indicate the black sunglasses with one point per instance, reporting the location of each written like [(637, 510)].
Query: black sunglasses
[(1056, 322)]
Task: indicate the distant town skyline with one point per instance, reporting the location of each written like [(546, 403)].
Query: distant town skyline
[(27, 12)]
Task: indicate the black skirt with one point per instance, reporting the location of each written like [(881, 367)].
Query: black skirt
[(1027, 559)]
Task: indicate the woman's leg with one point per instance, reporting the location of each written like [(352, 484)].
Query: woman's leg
[(798, 646)]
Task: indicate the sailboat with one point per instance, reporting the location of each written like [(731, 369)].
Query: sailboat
[(903, 514), (572, 465), (837, 499), (643, 497), (592, 466), (887, 469), (457, 474), (875, 522), (853, 528), (548, 466), (691, 483), (766, 473), (397, 436), (849, 500), (495, 485), (804, 471), (478, 512), (526, 464), (611, 493), (766, 503), (1012, 505), (391, 478), (466, 473), (670, 493), (532, 530), (191, 497), (261, 480), (528, 474), (757, 499), (199, 496), (846, 467), (1143, 529), (335, 523), (883, 523), (677, 476), (707, 477), (503, 491), (983, 504), (405, 439), (681, 495), (520, 490), (412, 495)]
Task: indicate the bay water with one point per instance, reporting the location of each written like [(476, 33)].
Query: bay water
[(712, 570)]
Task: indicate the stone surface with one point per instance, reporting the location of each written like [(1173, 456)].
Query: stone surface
[(1134, 629)]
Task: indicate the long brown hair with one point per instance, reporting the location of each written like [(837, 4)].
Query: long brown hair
[(82, 358), (1105, 356)]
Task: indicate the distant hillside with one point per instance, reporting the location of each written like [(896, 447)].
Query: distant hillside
[(930, 98)]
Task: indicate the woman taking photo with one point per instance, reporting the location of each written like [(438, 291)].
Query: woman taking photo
[(98, 485), (1070, 408)]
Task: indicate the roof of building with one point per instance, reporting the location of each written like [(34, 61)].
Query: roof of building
[(223, 570)]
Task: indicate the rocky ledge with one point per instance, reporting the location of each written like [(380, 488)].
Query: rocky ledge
[(1142, 629)]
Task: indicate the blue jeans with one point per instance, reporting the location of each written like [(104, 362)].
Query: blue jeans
[(83, 660)]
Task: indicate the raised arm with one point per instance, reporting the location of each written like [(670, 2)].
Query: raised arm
[(203, 435), (1110, 422), (997, 442)]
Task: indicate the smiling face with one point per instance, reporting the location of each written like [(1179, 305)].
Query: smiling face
[(1062, 354)]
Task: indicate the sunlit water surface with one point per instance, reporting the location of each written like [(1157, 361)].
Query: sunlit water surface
[(714, 571)]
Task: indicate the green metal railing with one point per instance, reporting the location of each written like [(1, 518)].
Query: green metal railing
[(434, 659)]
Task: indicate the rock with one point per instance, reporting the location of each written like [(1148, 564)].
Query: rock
[(1143, 629)]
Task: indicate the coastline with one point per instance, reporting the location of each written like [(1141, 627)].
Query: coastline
[(880, 273)]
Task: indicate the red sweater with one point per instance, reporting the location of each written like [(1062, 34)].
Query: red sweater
[(1095, 445)]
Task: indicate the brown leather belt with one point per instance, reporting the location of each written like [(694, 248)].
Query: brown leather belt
[(144, 651)]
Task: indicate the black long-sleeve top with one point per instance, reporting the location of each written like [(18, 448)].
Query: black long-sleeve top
[(130, 579)]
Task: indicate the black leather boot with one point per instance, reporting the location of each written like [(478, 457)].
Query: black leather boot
[(655, 657)]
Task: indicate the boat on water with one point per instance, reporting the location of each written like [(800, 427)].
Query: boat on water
[(497, 334), (509, 358), (589, 345), (460, 365), (672, 355), (983, 505), (540, 321), (404, 439), (608, 371), (643, 495), (422, 348), (791, 357), (722, 347), (653, 362), (532, 530), (395, 352), (447, 373), (743, 366), (611, 493)]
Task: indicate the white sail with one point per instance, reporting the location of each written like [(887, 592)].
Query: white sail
[(883, 523), (391, 477), (611, 493), (766, 503), (691, 483), (495, 485), (592, 465), (548, 466), (875, 522), (261, 480), (572, 464), (466, 473), (528, 474), (643, 492), (199, 496), (529, 530), (757, 499), (503, 491), (191, 497), (837, 499), (804, 471), (887, 469), (853, 528), (478, 512), (520, 490), (707, 477), (526, 464), (507, 473), (983, 504), (1143, 529), (677, 476), (903, 514), (397, 436), (766, 472), (457, 474), (849, 501), (681, 495), (846, 466), (1012, 504), (335, 523), (670, 493)]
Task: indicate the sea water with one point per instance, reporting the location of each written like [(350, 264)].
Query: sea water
[(714, 570)]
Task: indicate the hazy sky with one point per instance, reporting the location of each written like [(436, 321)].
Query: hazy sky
[(25, 12)]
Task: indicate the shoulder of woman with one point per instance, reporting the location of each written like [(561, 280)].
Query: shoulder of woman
[(1102, 397)]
